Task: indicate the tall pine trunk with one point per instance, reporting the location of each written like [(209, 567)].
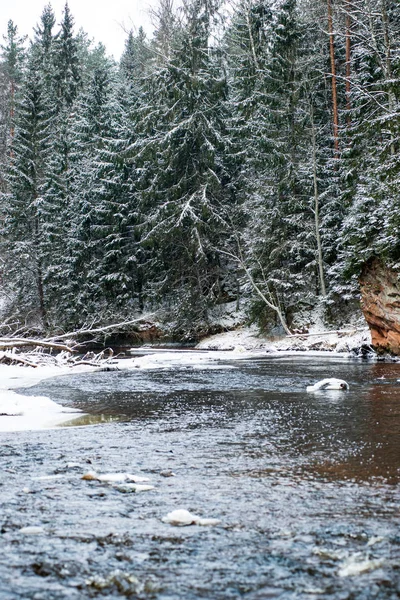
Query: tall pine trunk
[(335, 114), (316, 208), (348, 59)]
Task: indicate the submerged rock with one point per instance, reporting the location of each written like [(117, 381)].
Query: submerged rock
[(167, 473), (123, 583)]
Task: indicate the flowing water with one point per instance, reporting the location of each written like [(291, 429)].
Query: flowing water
[(306, 485)]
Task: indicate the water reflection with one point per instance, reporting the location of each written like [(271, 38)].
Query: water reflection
[(299, 481), (264, 406), (90, 420)]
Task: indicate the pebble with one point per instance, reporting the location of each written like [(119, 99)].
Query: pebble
[(167, 473)]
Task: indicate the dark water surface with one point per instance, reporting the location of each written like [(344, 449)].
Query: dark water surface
[(307, 486)]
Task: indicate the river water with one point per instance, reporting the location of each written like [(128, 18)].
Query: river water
[(306, 485)]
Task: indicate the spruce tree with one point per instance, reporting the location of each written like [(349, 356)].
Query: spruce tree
[(13, 54), (24, 212), (185, 191)]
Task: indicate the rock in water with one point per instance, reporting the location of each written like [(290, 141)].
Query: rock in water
[(328, 384), (114, 477), (182, 517)]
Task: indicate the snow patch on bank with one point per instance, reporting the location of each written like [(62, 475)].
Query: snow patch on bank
[(22, 413), (244, 338), (349, 340)]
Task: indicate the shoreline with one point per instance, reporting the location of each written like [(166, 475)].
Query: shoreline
[(19, 412)]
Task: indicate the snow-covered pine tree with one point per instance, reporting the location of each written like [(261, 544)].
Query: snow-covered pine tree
[(13, 54), (67, 67), (136, 57), (185, 187), (371, 226), (273, 139), (89, 128), (104, 267), (23, 208)]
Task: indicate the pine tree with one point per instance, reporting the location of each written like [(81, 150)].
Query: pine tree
[(11, 72), (185, 191), (24, 220), (371, 226), (68, 69), (136, 58), (272, 133)]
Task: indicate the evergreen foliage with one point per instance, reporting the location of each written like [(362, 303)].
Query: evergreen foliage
[(198, 169)]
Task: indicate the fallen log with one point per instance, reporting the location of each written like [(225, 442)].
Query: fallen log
[(11, 358), (23, 342), (91, 331), (330, 332)]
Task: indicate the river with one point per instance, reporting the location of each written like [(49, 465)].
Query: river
[(306, 486)]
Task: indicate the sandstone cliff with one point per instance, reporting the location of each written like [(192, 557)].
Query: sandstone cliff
[(380, 303)]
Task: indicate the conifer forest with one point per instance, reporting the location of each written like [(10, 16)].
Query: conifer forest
[(246, 152)]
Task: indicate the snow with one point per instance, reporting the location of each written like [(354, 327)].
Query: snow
[(182, 517), (329, 384), (348, 340), (19, 412), (244, 338)]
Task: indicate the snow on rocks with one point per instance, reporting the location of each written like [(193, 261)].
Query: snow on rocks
[(114, 477), (182, 517), (357, 565), (128, 488), (328, 384), (32, 530), (122, 482), (349, 339)]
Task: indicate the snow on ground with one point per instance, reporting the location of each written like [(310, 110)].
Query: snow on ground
[(348, 340), (246, 338), (19, 412)]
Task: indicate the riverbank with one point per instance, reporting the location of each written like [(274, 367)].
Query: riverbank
[(19, 412), (351, 340)]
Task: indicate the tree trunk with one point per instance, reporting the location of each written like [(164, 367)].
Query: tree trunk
[(348, 63), (253, 48), (12, 109), (334, 82), (389, 72), (316, 207)]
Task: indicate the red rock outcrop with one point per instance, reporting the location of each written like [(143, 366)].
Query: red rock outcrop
[(380, 303)]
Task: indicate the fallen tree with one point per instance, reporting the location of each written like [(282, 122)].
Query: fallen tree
[(94, 331), (62, 349), (15, 342)]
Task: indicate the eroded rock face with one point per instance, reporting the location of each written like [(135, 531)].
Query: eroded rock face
[(380, 303)]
